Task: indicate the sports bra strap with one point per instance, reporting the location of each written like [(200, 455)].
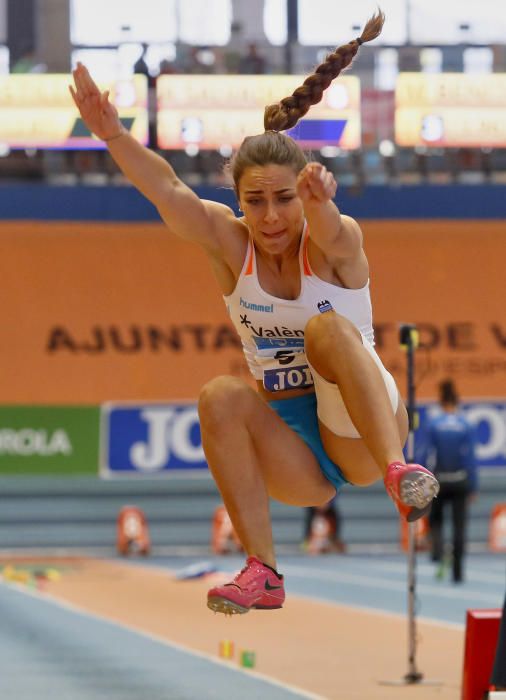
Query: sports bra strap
[(306, 267), (250, 259)]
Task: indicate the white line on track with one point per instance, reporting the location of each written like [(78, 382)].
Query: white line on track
[(428, 570), (386, 584), (71, 607)]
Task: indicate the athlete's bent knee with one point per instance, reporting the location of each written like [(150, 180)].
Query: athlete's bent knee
[(328, 332), (220, 399)]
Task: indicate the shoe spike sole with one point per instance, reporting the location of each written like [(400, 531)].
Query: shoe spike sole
[(225, 606), (418, 490)]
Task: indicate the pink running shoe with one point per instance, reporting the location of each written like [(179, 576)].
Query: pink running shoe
[(412, 489), (256, 586)]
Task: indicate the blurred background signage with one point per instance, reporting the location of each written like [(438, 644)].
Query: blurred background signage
[(450, 110), (212, 111), (38, 112)]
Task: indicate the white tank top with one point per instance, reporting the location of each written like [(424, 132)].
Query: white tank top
[(272, 329)]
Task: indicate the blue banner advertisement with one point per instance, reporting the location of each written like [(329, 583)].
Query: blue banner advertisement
[(489, 421), (150, 439), (159, 439)]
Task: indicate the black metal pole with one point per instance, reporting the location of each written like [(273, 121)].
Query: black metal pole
[(291, 34), (20, 29), (408, 338), (409, 341)]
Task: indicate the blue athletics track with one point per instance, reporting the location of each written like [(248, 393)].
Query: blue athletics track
[(84, 628)]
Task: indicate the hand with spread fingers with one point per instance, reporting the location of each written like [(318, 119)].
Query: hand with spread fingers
[(315, 184), (99, 115)]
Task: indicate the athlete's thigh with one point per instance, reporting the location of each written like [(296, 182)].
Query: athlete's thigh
[(352, 455), (291, 471)]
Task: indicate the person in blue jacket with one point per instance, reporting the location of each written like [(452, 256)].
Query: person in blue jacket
[(451, 456)]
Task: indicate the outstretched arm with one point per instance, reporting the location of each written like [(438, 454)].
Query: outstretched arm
[(338, 236), (183, 212)]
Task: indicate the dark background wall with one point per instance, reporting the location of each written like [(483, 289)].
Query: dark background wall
[(20, 28), (86, 203)]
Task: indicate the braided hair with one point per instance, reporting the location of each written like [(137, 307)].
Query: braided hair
[(273, 147), (285, 114)]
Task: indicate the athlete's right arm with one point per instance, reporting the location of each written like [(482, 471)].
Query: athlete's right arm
[(180, 208)]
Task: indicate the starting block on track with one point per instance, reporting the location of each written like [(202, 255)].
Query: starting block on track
[(132, 532), (323, 533), (482, 631), (224, 538), (497, 528)]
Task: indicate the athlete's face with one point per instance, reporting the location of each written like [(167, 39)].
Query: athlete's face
[(272, 210)]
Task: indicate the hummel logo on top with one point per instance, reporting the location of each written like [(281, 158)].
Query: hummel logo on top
[(266, 308), (325, 305)]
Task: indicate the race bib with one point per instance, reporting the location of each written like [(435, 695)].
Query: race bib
[(283, 378)]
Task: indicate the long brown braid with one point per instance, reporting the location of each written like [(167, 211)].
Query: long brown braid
[(285, 114)]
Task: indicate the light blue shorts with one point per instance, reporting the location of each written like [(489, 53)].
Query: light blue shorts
[(300, 414)]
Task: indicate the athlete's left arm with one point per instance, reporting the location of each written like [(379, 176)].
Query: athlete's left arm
[(339, 237)]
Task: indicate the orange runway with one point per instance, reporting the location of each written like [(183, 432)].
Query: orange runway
[(330, 650)]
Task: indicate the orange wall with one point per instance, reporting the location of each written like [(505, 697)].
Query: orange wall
[(449, 277), (97, 312)]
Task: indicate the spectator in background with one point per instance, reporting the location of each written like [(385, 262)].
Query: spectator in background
[(140, 66), (27, 63), (167, 67), (200, 61), (318, 539), (252, 63), (451, 456)]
